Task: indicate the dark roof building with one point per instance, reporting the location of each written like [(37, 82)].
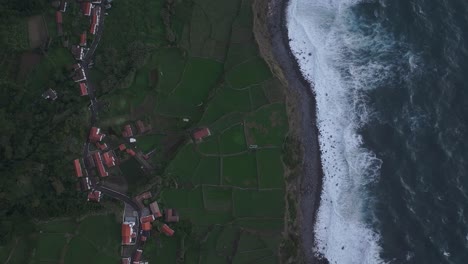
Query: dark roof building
[(49, 94), (122, 147), (59, 22), (63, 6), (125, 260), (127, 132), (100, 146), (78, 52), (79, 76), (137, 256), (85, 184), (94, 196), (127, 233), (172, 216)]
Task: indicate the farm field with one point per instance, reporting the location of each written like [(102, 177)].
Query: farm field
[(203, 70)]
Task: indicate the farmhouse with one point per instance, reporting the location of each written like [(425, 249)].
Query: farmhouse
[(147, 219), (94, 196), (146, 226), (78, 171), (78, 52), (122, 147), (154, 207), (128, 234), (49, 94), (83, 39), (83, 89), (59, 22), (165, 229), (131, 152), (100, 146), (98, 159), (137, 256), (127, 132), (109, 159), (172, 216), (201, 133), (86, 7), (63, 6), (95, 135)]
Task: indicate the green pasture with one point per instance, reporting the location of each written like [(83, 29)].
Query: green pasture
[(270, 168), (233, 140), (240, 171)]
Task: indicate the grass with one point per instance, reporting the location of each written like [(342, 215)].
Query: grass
[(267, 126), (58, 226), (217, 198), (208, 171), (264, 204), (270, 168), (253, 71), (240, 171), (233, 140), (185, 163), (49, 246)]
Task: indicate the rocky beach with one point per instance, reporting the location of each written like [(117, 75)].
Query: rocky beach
[(272, 36)]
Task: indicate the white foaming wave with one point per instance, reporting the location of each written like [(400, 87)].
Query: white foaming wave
[(320, 42)]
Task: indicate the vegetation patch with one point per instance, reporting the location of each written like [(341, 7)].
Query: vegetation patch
[(240, 171)]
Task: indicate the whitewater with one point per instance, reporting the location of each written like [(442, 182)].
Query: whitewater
[(343, 58)]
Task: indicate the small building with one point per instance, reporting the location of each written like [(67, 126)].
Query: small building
[(78, 52), (139, 198), (131, 152), (85, 184), (95, 135), (128, 234), (154, 208), (199, 134), (76, 66), (147, 219), (83, 39), (94, 196), (127, 132), (95, 15), (141, 127), (100, 146), (146, 226), (63, 6), (100, 166), (122, 147), (165, 229), (86, 7), (83, 89), (126, 260), (78, 171), (137, 256), (109, 159), (49, 94), (79, 76), (59, 22), (172, 216)]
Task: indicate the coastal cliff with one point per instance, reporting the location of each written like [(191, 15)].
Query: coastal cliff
[(301, 153)]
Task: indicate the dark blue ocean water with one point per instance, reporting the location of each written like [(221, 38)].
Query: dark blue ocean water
[(419, 131)]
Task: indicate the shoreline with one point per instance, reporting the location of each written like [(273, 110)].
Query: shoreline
[(271, 33)]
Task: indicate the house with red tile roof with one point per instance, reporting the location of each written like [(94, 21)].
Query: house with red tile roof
[(122, 147), (78, 171), (94, 196), (172, 216), (139, 198), (63, 6), (137, 256), (154, 208), (83, 89), (165, 229), (100, 146), (86, 7), (78, 52), (109, 159), (83, 39), (128, 234), (59, 22), (76, 66), (199, 134), (95, 15), (98, 159), (146, 226), (125, 260), (131, 152), (127, 132), (147, 219), (95, 135)]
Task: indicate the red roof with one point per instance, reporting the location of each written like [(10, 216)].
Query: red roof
[(109, 159), (154, 207), (127, 131), (171, 216), (58, 17), (83, 89), (122, 147), (102, 146), (79, 172), (202, 133), (94, 196), (137, 255), (86, 6), (126, 234), (147, 219), (83, 39), (95, 135), (100, 166), (146, 226), (131, 152), (165, 229)]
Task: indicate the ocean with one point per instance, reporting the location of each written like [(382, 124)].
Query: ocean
[(391, 83)]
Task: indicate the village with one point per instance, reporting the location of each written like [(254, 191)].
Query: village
[(102, 155)]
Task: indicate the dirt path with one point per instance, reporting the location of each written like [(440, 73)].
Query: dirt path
[(12, 251)]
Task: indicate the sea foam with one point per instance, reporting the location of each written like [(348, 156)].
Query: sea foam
[(343, 61)]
